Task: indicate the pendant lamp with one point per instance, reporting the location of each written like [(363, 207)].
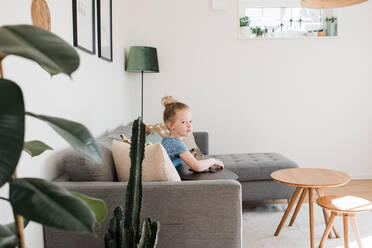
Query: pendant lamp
[(328, 4)]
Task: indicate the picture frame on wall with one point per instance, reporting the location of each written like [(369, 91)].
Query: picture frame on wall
[(104, 21), (83, 14)]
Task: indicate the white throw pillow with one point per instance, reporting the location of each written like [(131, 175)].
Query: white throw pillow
[(156, 165)]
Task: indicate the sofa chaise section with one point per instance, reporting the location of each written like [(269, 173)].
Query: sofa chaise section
[(253, 170)]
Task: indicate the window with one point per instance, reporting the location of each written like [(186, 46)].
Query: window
[(273, 21)]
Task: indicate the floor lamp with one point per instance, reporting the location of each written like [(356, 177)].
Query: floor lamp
[(142, 59)]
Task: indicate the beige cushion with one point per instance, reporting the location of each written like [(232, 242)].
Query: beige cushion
[(156, 165), (190, 142)]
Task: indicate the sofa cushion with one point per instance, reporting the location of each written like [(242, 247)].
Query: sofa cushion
[(79, 168), (126, 130), (156, 165), (191, 145), (201, 140), (255, 166), (106, 139)]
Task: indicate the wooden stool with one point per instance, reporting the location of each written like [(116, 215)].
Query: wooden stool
[(346, 206)]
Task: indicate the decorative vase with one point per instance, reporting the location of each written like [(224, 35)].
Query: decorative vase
[(331, 29)]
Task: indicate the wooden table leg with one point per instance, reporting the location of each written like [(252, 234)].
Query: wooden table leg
[(288, 210), (311, 213), (355, 229), (328, 229), (299, 204), (320, 192), (346, 231)]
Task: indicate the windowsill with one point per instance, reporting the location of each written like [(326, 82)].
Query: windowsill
[(289, 38)]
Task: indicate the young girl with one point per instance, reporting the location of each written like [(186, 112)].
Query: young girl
[(178, 118)]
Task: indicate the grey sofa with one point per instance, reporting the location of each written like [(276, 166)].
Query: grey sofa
[(204, 214)]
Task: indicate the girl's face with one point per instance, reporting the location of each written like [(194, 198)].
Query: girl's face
[(182, 124)]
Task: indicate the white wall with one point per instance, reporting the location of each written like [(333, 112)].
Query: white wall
[(99, 95), (307, 99)]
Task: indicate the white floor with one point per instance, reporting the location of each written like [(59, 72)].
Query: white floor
[(260, 223)]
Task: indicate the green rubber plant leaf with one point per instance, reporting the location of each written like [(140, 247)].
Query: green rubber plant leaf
[(8, 241), (12, 226), (8, 237), (45, 48), (46, 203), (12, 128), (74, 133), (35, 147), (98, 206)]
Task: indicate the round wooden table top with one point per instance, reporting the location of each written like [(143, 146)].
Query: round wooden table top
[(344, 203), (311, 177)]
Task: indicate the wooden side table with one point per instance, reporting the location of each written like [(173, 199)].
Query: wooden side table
[(346, 206), (306, 180)]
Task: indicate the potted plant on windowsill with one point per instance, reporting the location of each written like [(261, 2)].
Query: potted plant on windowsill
[(37, 199), (258, 31), (245, 30), (321, 32)]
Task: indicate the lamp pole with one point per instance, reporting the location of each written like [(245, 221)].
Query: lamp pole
[(142, 94), (142, 59)]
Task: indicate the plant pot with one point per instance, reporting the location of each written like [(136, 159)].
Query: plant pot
[(321, 33), (245, 31)]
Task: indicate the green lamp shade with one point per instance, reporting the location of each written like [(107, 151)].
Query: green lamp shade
[(142, 59)]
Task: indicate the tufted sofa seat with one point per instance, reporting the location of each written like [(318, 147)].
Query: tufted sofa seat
[(255, 166), (253, 170)]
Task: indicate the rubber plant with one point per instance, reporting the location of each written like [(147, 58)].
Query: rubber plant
[(124, 228), (37, 199)]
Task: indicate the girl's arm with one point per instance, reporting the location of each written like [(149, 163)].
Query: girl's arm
[(199, 165)]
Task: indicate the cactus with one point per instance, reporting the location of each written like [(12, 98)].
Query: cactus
[(128, 235), (114, 237), (134, 189), (149, 235)]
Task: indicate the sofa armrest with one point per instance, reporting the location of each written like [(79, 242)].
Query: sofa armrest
[(202, 141), (61, 178), (191, 213)]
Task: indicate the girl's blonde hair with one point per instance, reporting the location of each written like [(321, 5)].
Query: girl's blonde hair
[(171, 106)]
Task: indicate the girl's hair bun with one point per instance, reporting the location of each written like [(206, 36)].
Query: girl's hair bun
[(171, 106), (168, 100)]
